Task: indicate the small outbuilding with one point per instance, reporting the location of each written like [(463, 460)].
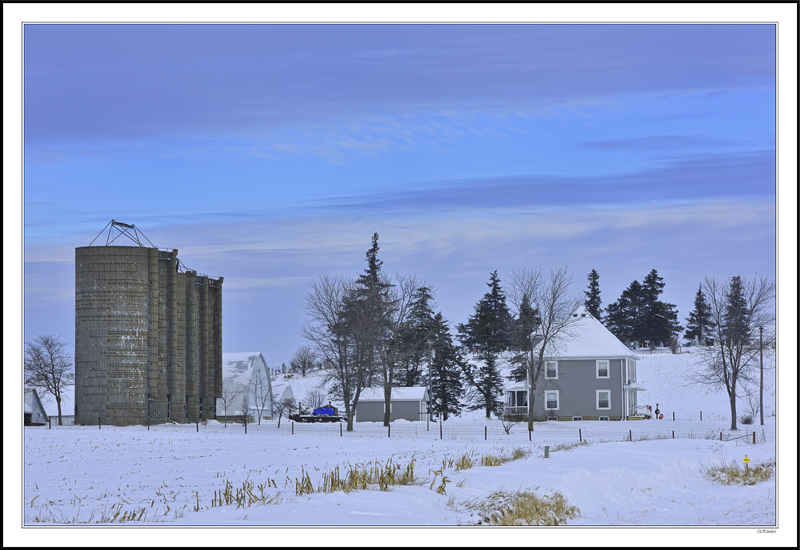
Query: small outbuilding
[(406, 404), (35, 414), (246, 388)]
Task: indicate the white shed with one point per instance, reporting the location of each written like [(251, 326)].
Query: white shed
[(246, 387), (35, 415)]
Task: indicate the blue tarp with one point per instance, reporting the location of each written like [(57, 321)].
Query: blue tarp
[(327, 411)]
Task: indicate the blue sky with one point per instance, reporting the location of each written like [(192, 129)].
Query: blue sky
[(269, 154)]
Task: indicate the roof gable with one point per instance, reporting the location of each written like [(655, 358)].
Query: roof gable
[(589, 338)]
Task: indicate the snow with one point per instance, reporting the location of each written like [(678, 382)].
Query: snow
[(76, 473), (398, 394)]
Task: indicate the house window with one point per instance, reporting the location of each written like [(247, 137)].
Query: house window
[(602, 369), (551, 400), (577, 418), (603, 399), (551, 369), (632, 371), (604, 418)]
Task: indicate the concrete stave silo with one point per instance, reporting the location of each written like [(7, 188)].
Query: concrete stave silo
[(148, 338)]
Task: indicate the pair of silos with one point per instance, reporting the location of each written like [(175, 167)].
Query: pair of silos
[(148, 338)]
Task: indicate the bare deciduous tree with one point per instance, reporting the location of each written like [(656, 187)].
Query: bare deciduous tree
[(47, 366), (390, 346), (261, 394), (286, 406), (555, 302), (232, 391), (303, 360), (738, 306), (314, 399), (330, 333)]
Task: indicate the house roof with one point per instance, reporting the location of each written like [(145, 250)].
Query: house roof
[(398, 394), (238, 366), (590, 339)]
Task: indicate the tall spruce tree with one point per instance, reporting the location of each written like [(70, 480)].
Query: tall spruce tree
[(418, 334), (736, 329), (623, 317), (640, 316), (593, 301), (446, 389), (660, 323), (699, 320), (367, 312), (489, 331)]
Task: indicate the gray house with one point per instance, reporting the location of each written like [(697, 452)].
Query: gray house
[(591, 376), (406, 404)]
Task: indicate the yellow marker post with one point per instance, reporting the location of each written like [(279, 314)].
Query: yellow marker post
[(746, 462)]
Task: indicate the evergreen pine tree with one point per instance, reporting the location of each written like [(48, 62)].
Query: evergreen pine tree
[(367, 309), (417, 335), (623, 317), (640, 316), (736, 319), (446, 389), (699, 320), (660, 322), (593, 301), (489, 330)]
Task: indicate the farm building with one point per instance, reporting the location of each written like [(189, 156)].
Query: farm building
[(148, 335), (35, 414), (406, 404), (67, 406), (591, 377), (246, 388)]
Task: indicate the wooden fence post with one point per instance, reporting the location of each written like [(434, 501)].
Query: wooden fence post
[(701, 416), (197, 423), (440, 428), (630, 435), (580, 436), (673, 416), (390, 430), (485, 433), (98, 422), (720, 436), (340, 429), (673, 434)]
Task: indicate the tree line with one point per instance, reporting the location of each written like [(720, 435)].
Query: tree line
[(380, 331)]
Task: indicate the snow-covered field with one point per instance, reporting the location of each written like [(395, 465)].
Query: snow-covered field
[(170, 475)]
